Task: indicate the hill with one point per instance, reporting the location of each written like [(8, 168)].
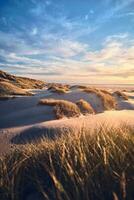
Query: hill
[(15, 85)]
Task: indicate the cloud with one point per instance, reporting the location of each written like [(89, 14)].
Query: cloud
[(48, 3), (115, 9), (114, 61), (34, 31), (86, 17), (91, 12), (53, 43), (68, 48), (114, 53)]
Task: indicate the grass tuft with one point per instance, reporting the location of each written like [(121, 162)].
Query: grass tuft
[(62, 108), (85, 107), (58, 88), (120, 95)]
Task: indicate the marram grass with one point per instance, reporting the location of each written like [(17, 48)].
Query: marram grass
[(85, 165)]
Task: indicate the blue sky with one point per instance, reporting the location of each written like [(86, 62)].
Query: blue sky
[(84, 41)]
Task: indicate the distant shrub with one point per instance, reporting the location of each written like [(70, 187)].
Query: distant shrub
[(59, 89), (120, 95), (85, 107)]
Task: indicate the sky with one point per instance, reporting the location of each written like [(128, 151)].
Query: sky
[(70, 41)]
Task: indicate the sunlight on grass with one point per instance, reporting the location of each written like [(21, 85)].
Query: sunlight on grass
[(84, 165), (106, 97)]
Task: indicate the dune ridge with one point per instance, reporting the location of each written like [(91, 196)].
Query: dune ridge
[(15, 85)]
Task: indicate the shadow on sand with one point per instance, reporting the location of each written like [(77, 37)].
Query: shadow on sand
[(35, 134), (32, 116), (125, 105)]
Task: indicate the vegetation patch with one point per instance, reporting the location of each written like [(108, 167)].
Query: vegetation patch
[(62, 108), (83, 165), (58, 88), (85, 107), (21, 82), (91, 90), (120, 95), (7, 88), (106, 97)]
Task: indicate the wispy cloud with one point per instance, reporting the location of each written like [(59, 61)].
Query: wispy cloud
[(48, 41)]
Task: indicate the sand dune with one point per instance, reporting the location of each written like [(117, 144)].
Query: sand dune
[(14, 85), (22, 120), (7, 88), (10, 137)]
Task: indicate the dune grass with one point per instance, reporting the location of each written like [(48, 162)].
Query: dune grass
[(49, 102), (106, 97), (121, 95), (66, 109), (82, 87), (83, 165), (21, 82), (62, 108), (85, 107), (105, 91), (7, 88), (91, 90), (58, 88), (108, 100)]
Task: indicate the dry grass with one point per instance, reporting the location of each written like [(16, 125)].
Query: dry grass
[(81, 165), (66, 109), (82, 87), (106, 97), (62, 108), (108, 101), (7, 88), (85, 107), (105, 91), (91, 90), (59, 89), (21, 82), (120, 95), (49, 102), (28, 83)]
